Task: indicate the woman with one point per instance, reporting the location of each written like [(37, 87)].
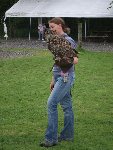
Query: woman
[(60, 93)]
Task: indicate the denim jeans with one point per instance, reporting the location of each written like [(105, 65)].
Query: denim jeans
[(60, 94), (41, 35)]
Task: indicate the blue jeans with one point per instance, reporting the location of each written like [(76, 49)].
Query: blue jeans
[(60, 94), (41, 35)]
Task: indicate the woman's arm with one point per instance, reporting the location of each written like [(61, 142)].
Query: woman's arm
[(75, 60), (52, 84)]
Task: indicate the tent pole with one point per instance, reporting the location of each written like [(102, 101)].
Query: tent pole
[(80, 33), (39, 20), (85, 29), (30, 30)]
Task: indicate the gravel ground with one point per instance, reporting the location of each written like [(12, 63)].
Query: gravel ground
[(34, 44), (7, 47), (102, 46)]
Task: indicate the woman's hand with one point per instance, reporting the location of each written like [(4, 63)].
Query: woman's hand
[(75, 61), (51, 85)]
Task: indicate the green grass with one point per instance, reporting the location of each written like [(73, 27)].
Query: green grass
[(24, 89)]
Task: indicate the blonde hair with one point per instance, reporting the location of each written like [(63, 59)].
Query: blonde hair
[(58, 20)]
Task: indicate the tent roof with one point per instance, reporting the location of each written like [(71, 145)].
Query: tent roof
[(61, 8)]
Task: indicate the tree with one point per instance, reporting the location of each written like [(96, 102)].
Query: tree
[(110, 5), (5, 5)]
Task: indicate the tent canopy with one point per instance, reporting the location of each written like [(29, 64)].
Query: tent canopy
[(61, 8)]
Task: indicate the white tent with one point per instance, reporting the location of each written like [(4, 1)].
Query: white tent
[(61, 8)]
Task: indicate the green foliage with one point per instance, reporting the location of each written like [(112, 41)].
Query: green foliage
[(5, 5), (24, 89), (111, 5)]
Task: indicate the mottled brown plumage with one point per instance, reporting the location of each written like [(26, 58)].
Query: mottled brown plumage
[(61, 49)]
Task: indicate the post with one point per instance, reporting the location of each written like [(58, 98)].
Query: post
[(39, 20), (30, 30), (80, 34), (85, 29)]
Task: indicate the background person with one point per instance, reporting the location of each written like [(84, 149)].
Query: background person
[(41, 30)]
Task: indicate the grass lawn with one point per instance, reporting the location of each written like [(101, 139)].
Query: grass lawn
[(24, 89)]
